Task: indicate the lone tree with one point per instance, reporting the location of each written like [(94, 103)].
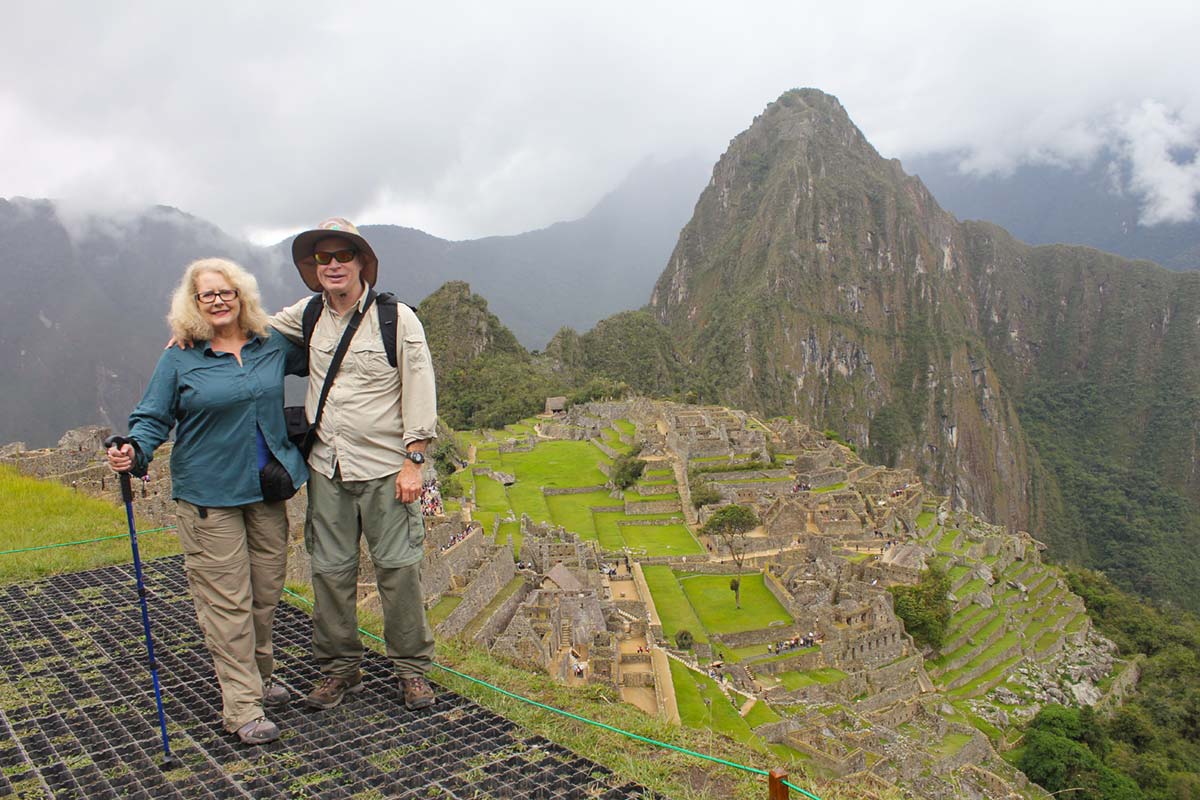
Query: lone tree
[(730, 524)]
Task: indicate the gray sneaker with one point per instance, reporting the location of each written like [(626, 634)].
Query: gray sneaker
[(258, 731), (275, 694)]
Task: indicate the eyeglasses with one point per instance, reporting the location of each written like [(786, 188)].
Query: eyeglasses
[(208, 298), (342, 256)]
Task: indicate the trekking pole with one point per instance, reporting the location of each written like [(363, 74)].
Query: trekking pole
[(169, 760)]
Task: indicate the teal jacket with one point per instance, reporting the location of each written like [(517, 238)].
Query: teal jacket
[(214, 405)]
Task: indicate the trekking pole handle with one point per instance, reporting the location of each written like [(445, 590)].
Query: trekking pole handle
[(126, 483)]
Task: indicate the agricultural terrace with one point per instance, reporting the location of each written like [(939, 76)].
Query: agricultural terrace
[(704, 605), (593, 515)]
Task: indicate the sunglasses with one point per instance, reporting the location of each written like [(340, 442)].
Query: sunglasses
[(342, 256)]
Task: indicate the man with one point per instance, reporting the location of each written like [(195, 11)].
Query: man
[(365, 466)]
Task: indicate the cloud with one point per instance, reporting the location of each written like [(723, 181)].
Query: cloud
[(469, 119), (1152, 135)]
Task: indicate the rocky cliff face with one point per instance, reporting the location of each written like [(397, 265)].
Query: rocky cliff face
[(816, 278), (1050, 388)]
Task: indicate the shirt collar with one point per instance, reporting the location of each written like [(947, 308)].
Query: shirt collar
[(254, 339)]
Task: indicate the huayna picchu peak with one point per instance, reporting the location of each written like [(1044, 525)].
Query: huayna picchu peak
[(1030, 384)]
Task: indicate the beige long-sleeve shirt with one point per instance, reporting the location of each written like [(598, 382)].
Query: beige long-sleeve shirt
[(373, 411)]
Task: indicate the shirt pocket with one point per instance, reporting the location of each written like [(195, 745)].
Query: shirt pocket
[(367, 359), (416, 352)]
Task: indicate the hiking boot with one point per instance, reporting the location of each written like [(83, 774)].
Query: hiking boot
[(417, 693), (332, 689), (258, 731), (275, 694)]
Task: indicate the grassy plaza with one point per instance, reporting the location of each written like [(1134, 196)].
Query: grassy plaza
[(561, 464)]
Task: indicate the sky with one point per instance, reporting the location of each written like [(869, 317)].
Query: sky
[(476, 119)]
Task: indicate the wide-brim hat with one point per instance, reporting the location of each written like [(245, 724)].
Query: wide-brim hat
[(304, 247)]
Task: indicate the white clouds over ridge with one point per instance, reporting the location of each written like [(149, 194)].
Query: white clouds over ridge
[(476, 119)]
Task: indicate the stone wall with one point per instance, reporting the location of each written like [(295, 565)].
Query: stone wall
[(653, 489), (492, 576), (735, 641), (975, 751), (893, 694), (1121, 686), (442, 566), (608, 451), (801, 662), (562, 430), (522, 444), (652, 507), (874, 647), (826, 477), (639, 680)]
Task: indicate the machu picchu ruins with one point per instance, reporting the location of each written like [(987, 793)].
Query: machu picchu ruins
[(547, 565)]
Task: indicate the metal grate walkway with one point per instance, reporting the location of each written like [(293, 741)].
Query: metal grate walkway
[(77, 716)]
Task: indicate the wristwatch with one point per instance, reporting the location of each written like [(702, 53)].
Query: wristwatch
[(414, 456)]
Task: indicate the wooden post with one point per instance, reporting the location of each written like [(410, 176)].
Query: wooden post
[(775, 780)]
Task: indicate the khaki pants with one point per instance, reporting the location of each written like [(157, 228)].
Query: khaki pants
[(236, 559), (339, 513)]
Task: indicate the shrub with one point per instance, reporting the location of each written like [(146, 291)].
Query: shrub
[(925, 608), (683, 639), (626, 470), (705, 494)]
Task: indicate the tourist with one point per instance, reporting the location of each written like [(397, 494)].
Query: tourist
[(224, 398), (366, 466)]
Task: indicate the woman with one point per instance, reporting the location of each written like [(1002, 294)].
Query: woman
[(224, 396)]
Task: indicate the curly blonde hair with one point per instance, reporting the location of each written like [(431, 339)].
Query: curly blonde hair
[(185, 319)]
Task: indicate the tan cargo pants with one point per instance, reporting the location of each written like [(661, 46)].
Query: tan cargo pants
[(236, 559)]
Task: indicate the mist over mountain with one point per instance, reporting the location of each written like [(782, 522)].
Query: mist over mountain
[(83, 323), (1052, 204), (570, 273)]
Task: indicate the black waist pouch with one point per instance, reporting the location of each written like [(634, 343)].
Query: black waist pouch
[(300, 431), (275, 482)]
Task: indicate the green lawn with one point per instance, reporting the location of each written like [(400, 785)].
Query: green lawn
[(952, 744), (574, 511), (661, 540), (674, 610), (711, 597), (946, 544), (691, 691), (36, 513), (625, 426), (612, 439), (437, 615), (608, 530), (761, 714), (513, 528), (556, 463), (831, 488), (793, 680), (490, 495), (525, 497), (924, 520)]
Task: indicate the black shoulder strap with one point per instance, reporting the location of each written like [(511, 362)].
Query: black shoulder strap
[(308, 322), (339, 355), (385, 304)]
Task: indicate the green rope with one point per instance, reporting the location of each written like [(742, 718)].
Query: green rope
[(81, 541), (576, 717)]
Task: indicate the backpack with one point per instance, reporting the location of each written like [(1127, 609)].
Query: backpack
[(385, 305)]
